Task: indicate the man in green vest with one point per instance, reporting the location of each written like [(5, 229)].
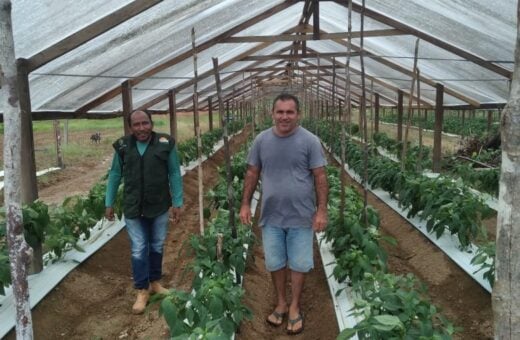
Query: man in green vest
[(149, 166)]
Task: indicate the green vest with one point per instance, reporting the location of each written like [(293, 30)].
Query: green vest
[(145, 178)]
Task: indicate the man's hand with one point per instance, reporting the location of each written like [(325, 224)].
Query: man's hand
[(175, 214), (319, 220), (245, 214), (109, 213)]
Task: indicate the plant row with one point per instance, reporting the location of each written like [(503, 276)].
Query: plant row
[(214, 308), (188, 148), (484, 180), (59, 228), (389, 306), (475, 126), (445, 205)]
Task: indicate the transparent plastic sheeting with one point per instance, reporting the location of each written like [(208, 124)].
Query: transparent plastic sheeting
[(485, 28), (144, 41), (486, 32)]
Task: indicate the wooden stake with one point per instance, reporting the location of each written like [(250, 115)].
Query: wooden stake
[(410, 100), (346, 118), (363, 113), (227, 152)]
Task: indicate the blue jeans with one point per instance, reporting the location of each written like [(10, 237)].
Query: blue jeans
[(147, 236), (288, 247)]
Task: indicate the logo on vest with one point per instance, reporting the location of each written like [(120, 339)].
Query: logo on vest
[(163, 140)]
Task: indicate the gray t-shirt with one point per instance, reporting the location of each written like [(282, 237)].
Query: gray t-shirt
[(286, 163)]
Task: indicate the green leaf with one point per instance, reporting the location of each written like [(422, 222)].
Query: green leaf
[(169, 312), (389, 321), (216, 307)]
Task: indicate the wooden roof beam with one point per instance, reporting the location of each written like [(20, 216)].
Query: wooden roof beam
[(471, 101), (431, 39), (89, 32), (388, 99), (223, 83), (206, 74), (187, 54), (295, 57), (380, 82), (323, 36)]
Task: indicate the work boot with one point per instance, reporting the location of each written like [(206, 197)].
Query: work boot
[(141, 301), (156, 288)]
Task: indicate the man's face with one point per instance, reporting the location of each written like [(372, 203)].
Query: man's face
[(285, 117), (141, 126)]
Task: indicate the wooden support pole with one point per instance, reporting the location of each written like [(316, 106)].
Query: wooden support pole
[(19, 250), (126, 93), (489, 120), (172, 108), (29, 186), (376, 112), (316, 19), (28, 181), (399, 115), (437, 133), (57, 139), (210, 113), (66, 132)]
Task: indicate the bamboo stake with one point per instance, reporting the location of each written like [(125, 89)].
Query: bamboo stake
[(410, 113), (19, 251), (197, 133), (346, 117)]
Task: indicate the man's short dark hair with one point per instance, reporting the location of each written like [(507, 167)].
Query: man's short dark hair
[(129, 119), (285, 97)]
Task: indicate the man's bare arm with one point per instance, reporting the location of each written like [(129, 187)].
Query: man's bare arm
[(322, 194), (250, 183)]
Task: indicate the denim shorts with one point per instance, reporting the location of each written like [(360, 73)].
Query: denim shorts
[(288, 247)]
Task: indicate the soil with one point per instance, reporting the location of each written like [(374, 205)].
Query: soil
[(94, 301)]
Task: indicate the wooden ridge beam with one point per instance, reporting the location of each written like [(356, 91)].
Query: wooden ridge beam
[(89, 32)]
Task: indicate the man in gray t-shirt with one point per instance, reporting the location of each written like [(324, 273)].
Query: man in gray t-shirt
[(290, 162)]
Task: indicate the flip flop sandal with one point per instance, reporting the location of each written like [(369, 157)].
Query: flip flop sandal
[(278, 316), (292, 322)]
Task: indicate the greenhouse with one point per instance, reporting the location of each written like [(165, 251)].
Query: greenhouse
[(415, 106)]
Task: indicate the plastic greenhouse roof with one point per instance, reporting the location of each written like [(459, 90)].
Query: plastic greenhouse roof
[(156, 36)]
